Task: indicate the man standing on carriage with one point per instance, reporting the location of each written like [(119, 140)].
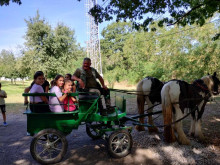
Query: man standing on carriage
[(86, 77)]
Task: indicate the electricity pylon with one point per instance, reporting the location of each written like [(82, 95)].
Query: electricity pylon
[(93, 42)]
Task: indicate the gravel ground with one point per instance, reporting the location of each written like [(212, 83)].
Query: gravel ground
[(147, 148)]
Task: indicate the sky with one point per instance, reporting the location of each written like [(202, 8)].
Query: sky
[(69, 12)]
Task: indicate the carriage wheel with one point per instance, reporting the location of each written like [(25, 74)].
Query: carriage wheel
[(120, 143), (48, 146), (92, 129)]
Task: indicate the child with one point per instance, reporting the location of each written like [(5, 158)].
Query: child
[(38, 104), (3, 95), (56, 102), (69, 100), (45, 87), (68, 77)]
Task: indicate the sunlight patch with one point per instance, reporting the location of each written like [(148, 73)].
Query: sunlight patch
[(16, 143), (22, 161)]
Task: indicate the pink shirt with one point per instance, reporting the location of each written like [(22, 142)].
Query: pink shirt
[(72, 107), (36, 89)]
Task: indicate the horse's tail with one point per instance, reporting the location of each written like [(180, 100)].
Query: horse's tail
[(167, 114)]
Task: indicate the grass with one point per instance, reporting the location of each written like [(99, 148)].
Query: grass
[(14, 91), (14, 100)]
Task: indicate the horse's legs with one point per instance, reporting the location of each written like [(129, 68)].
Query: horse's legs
[(192, 127), (150, 119), (140, 103), (182, 139), (198, 130)]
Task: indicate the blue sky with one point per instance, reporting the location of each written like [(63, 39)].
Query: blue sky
[(13, 26)]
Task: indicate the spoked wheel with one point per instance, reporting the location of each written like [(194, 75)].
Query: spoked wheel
[(120, 143), (93, 128), (48, 146)]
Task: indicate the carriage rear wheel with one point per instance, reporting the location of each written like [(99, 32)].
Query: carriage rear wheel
[(93, 130), (48, 146), (120, 143)]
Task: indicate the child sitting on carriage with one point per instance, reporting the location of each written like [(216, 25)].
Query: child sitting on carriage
[(69, 100)]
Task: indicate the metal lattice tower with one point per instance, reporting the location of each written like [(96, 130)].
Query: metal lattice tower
[(93, 42)]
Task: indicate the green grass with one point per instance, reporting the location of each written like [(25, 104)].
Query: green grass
[(14, 91)]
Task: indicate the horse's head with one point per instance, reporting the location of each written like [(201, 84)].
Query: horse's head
[(212, 83)]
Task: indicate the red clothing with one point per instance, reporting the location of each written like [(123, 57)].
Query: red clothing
[(72, 106)]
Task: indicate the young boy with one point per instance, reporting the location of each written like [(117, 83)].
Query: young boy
[(3, 95)]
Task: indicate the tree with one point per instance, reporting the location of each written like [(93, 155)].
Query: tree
[(47, 49), (6, 2), (181, 12), (7, 64)]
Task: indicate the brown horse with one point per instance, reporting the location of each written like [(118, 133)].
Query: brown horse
[(148, 90), (177, 96)]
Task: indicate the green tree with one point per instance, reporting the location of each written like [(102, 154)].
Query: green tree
[(7, 65), (47, 49), (182, 12)]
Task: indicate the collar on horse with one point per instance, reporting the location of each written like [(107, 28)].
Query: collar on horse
[(200, 83)]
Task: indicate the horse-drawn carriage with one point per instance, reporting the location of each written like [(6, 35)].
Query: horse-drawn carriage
[(49, 144)]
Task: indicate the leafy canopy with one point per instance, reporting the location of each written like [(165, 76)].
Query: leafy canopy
[(180, 12)]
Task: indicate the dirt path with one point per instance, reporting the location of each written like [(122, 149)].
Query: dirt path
[(147, 148)]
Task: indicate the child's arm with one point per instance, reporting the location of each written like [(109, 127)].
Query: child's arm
[(74, 99), (61, 98), (26, 90), (46, 89), (44, 99)]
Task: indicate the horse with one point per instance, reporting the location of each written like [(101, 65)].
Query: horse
[(148, 90), (178, 95)]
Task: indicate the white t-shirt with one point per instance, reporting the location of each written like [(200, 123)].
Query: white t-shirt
[(2, 100), (36, 89)]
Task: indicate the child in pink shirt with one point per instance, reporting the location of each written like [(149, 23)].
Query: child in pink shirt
[(69, 101)]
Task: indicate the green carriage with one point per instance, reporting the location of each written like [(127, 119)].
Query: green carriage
[(49, 144)]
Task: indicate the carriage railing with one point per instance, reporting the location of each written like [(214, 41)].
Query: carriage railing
[(69, 95)]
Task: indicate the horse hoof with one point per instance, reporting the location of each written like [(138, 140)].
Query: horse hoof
[(201, 138), (139, 128), (184, 141), (191, 134), (153, 129)]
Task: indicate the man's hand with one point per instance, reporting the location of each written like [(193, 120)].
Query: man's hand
[(105, 87), (81, 84)]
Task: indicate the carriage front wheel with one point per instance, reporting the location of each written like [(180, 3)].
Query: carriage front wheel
[(49, 146), (120, 143)]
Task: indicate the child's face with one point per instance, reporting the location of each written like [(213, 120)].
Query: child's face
[(68, 86), (67, 77), (60, 82), (39, 80)]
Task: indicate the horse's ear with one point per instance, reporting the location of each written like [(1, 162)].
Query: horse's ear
[(214, 74)]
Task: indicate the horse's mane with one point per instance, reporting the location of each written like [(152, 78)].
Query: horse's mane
[(208, 81)]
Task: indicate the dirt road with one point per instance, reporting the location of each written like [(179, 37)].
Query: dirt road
[(147, 148)]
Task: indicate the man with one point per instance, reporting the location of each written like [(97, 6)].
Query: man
[(86, 77)]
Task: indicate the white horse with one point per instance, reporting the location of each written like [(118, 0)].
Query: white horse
[(148, 90), (178, 95)]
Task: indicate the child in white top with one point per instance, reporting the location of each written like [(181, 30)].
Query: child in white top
[(38, 104)]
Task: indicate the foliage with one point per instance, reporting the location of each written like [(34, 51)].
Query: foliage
[(145, 12), (185, 53), (51, 50), (6, 2)]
